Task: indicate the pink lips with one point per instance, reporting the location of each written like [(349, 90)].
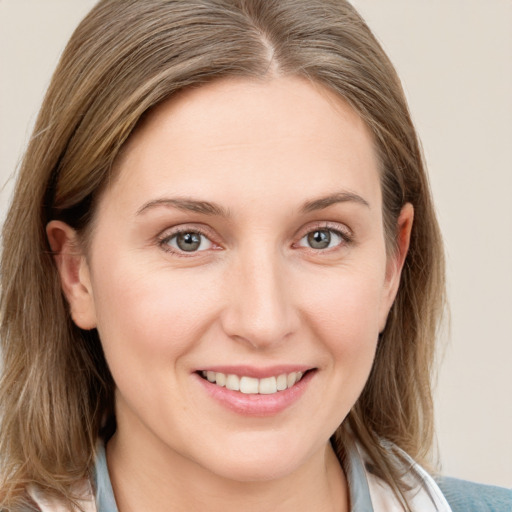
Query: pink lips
[(256, 404)]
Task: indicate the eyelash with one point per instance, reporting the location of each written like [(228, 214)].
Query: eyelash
[(163, 241), (344, 233)]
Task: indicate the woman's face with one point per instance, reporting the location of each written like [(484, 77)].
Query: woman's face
[(240, 241)]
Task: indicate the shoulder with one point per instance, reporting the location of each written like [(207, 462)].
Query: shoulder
[(464, 496)]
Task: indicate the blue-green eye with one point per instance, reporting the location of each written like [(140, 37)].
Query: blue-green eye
[(189, 241), (322, 239)]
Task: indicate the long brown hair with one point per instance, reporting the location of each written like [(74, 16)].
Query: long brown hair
[(125, 58)]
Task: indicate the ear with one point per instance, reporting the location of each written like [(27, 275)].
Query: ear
[(396, 260), (74, 272)]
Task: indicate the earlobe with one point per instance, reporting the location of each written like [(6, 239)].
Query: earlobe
[(73, 271), (396, 259)]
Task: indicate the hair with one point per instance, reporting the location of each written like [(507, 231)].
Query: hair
[(124, 59)]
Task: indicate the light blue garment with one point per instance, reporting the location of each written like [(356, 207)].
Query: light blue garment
[(105, 501), (462, 496)]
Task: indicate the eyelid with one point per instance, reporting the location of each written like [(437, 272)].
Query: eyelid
[(166, 235), (345, 232), (162, 239)]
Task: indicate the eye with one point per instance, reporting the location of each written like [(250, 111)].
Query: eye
[(188, 241), (322, 239)]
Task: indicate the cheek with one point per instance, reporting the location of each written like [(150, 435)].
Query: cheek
[(343, 309), (346, 305), (150, 315)]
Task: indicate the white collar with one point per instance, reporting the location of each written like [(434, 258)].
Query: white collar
[(369, 493)]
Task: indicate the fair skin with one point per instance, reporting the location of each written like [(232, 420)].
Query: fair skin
[(267, 281)]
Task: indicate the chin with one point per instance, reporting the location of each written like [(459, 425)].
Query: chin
[(256, 471), (258, 462)]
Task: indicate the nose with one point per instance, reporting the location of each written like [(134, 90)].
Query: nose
[(260, 310)]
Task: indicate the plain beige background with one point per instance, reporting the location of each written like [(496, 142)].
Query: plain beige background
[(455, 59)]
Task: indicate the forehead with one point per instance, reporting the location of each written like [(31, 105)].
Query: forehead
[(283, 134)]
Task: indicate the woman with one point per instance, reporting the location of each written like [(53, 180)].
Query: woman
[(230, 275)]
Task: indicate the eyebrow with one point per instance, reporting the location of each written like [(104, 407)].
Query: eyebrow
[(186, 204), (213, 209), (339, 197)]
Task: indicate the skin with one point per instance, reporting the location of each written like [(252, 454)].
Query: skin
[(255, 293)]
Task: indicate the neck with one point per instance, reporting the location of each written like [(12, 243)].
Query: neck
[(149, 478)]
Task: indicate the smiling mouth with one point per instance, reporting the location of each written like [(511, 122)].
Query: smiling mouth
[(251, 385)]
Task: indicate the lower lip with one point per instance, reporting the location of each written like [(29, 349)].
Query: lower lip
[(257, 405)]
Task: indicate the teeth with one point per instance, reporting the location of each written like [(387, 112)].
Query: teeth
[(252, 386), (268, 386), (282, 382), (220, 379), (248, 385), (232, 382)]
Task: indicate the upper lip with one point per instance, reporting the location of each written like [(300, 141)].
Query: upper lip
[(256, 372)]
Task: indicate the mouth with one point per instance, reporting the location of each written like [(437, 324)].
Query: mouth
[(256, 392), (252, 385)]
